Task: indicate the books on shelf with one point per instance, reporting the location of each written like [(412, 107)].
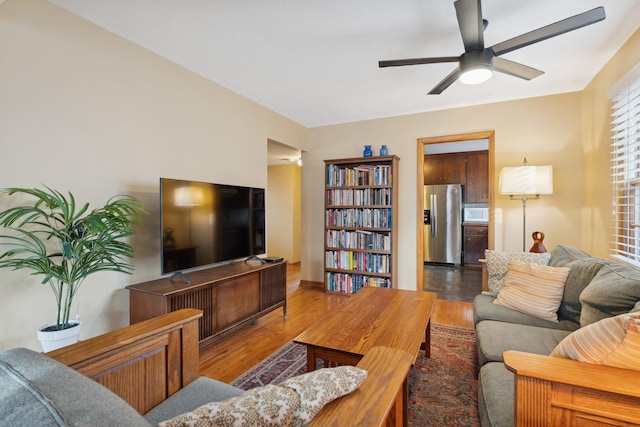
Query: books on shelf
[(359, 217), (368, 196), (352, 283), (359, 261), (358, 239), (365, 174)]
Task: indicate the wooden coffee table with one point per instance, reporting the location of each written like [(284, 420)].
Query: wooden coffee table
[(372, 317)]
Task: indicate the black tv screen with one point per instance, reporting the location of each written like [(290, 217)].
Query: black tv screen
[(205, 223)]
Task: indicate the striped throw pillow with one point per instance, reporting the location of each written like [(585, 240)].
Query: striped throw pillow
[(533, 289), (614, 341)]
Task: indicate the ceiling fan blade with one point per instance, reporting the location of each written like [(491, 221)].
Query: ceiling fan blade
[(471, 25), (416, 61), (448, 81), (551, 30), (515, 69)]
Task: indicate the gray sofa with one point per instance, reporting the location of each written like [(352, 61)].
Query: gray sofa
[(595, 289)]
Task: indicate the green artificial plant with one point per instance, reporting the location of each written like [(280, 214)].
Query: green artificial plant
[(65, 242)]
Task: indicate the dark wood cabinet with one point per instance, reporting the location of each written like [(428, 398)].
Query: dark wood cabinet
[(229, 296), (444, 169), (477, 178), (470, 169), (476, 240)]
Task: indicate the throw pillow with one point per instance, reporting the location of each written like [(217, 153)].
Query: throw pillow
[(613, 291), (318, 388), (497, 263), (614, 341), (533, 289), (270, 405), (294, 402)]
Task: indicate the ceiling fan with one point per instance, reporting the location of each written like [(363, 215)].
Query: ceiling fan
[(478, 62)]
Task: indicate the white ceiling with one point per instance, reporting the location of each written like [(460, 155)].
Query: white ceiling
[(316, 61)]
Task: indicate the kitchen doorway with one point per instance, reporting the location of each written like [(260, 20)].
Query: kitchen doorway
[(489, 136)]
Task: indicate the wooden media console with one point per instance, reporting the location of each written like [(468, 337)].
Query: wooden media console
[(229, 296)]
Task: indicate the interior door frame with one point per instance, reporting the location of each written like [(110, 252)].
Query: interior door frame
[(490, 136)]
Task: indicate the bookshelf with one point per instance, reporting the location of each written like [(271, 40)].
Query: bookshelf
[(360, 224)]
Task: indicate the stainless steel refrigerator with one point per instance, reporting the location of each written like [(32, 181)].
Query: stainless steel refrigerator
[(443, 224)]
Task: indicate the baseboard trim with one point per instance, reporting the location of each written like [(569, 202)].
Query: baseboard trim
[(311, 284)]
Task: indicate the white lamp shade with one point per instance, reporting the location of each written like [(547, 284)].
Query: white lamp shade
[(188, 196), (526, 180)]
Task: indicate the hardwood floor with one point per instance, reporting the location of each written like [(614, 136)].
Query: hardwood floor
[(233, 355)]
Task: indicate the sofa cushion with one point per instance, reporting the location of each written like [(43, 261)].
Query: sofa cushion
[(562, 255), (495, 395), (497, 264), (582, 271), (614, 341), (493, 338), (37, 390), (533, 289), (485, 309), (614, 290), (201, 391)]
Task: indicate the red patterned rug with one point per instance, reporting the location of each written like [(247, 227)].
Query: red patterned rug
[(443, 389)]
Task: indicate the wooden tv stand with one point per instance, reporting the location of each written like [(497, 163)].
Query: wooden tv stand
[(229, 296)]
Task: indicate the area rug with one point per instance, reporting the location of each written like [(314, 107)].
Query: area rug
[(443, 389)]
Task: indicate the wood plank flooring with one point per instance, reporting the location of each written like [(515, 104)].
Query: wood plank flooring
[(233, 355)]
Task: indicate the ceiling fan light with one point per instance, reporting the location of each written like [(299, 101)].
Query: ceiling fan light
[(475, 76)]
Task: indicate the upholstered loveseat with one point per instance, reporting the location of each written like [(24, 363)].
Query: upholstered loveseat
[(521, 383), (148, 372)]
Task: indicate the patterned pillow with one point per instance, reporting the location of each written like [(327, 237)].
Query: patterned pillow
[(294, 402), (533, 289), (497, 264), (269, 405), (614, 341), (320, 387)]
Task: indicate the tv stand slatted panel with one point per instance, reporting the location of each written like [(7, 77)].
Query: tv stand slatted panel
[(229, 296)]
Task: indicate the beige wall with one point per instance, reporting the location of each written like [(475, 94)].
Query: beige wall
[(86, 111), (283, 212), (545, 130), (597, 217)]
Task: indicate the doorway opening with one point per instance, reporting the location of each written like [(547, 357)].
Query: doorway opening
[(448, 276), (283, 201)]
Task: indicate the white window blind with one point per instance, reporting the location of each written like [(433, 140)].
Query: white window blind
[(625, 171)]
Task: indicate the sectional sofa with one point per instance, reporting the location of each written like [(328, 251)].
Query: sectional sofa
[(520, 383)]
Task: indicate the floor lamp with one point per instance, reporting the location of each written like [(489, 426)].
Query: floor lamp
[(524, 183)]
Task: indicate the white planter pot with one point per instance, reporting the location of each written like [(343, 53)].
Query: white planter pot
[(58, 339)]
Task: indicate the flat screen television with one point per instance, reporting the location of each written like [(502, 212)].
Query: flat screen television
[(204, 223)]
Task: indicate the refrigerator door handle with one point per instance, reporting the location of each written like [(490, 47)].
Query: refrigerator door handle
[(434, 214)]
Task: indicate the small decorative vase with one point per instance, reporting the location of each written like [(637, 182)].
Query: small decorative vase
[(367, 151), (384, 151)]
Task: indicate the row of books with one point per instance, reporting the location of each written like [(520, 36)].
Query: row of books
[(359, 239), (356, 217), (344, 176), (352, 283), (360, 261), (367, 196)]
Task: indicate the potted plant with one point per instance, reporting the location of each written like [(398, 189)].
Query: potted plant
[(65, 243)]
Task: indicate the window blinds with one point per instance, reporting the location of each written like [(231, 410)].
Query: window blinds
[(625, 171)]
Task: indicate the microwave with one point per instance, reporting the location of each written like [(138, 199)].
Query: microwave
[(476, 214)]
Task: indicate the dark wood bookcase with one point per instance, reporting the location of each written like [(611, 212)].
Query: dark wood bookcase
[(360, 225)]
